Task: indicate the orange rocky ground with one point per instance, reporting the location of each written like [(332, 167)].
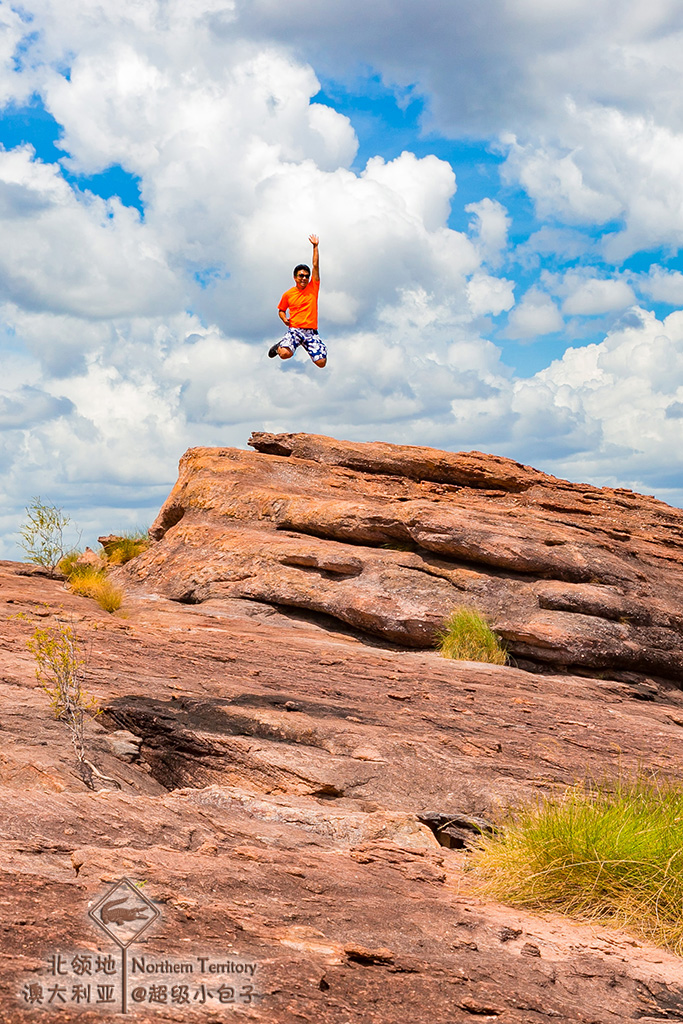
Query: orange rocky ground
[(264, 769)]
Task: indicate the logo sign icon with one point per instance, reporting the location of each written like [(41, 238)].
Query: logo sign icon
[(124, 913)]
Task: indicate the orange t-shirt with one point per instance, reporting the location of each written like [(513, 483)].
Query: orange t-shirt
[(302, 304)]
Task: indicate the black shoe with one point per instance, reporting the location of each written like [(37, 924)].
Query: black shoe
[(272, 351)]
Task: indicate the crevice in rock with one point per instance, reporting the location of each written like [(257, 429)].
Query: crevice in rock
[(194, 743), (524, 655), (328, 792), (668, 1000), (382, 536), (400, 540), (369, 957), (333, 625), (566, 510), (480, 1010), (176, 723), (608, 663), (171, 750), (439, 567), (169, 516), (327, 571), (456, 831)]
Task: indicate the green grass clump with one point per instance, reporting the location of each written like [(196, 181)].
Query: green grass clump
[(67, 564), (88, 581), (126, 547), (611, 852), (466, 636)]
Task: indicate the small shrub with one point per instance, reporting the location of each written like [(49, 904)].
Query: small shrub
[(466, 636), (611, 852), (60, 670), (43, 534), (125, 548), (88, 581)]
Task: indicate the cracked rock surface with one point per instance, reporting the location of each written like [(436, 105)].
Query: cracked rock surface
[(266, 780)]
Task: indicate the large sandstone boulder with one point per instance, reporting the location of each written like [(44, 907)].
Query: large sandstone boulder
[(387, 539)]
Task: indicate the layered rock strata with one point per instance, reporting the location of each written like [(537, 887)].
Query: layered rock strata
[(388, 539), (269, 780)]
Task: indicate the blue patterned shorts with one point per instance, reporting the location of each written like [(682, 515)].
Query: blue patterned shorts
[(308, 339)]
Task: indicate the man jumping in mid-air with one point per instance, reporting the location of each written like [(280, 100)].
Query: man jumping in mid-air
[(298, 311)]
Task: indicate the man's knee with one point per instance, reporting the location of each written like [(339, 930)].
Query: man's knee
[(320, 362), (285, 353)]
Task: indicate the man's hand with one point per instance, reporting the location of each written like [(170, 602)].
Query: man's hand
[(314, 240)]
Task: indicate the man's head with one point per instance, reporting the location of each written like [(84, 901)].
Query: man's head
[(302, 275)]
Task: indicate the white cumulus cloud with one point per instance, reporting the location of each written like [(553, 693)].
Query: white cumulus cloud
[(590, 296), (536, 314)]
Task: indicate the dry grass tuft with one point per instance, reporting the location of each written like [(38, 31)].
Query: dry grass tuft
[(91, 582), (466, 636)]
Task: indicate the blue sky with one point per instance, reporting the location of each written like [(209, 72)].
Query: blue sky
[(32, 125), (499, 196)]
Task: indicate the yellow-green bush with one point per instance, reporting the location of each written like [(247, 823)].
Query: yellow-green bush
[(611, 852), (126, 547), (67, 564), (60, 669), (92, 581), (42, 535), (466, 636)]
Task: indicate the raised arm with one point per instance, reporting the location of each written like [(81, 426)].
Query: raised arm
[(314, 240)]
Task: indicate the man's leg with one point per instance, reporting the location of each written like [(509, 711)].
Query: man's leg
[(316, 349), (285, 347), (281, 350)]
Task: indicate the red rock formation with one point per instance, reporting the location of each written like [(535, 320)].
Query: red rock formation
[(388, 539)]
